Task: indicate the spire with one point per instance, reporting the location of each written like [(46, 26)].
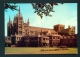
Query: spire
[(9, 19), (28, 20), (19, 10), (25, 21), (68, 26), (19, 13)]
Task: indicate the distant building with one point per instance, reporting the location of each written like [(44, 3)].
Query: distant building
[(19, 30), (62, 31)]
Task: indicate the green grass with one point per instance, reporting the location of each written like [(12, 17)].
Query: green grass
[(37, 50)]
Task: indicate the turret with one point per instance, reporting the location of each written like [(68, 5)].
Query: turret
[(28, 21), (74, 27), (19, 13), (9, 19), (69, 26), (19, 10), (10, 22), (9, 28)]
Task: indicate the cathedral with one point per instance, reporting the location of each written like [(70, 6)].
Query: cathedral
[(36, 36)]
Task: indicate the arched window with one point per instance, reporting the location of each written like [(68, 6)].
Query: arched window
[(43, 38)]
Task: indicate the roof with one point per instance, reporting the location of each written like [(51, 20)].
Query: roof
[(32, 28), (56, 35), (64, 30), (59, 24)]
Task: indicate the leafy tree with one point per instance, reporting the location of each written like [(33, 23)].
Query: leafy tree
[(43, 8), (40, 8), (9, 6)]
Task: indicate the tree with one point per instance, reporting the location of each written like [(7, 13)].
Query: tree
[(40, 8), (43, 8), (8, 5)]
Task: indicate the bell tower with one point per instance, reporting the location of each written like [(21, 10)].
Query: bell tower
[(59, 27), (19, 22)]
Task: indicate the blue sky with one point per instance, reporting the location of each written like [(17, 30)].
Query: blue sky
[(64, 14)]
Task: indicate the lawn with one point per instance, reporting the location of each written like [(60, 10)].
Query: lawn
[(37, 50)]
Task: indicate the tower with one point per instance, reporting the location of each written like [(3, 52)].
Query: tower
[(69, 27), (19, 10), (9, 27), (27, 27), (19, 22), (9, 19), (28, 21), (59, 27), (71, 30)]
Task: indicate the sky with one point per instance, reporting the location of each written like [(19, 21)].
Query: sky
[(65, 14)]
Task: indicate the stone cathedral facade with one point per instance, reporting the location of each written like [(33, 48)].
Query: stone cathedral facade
[(18, 30)]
